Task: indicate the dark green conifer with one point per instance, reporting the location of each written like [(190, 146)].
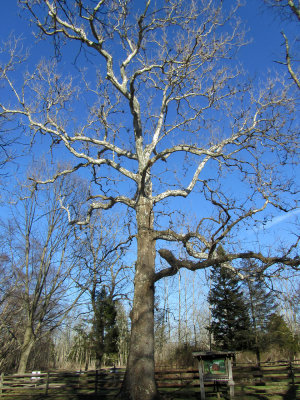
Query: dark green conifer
[(230, 325), (280, 336), (104, 331)]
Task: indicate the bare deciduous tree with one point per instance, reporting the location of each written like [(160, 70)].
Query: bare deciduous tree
[(37, 239), (163, 113), (99, 247), (10, 316)]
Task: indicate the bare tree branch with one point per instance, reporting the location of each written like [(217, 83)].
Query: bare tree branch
[(176, 264)]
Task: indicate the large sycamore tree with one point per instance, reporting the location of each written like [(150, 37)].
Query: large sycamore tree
[(160, 113)]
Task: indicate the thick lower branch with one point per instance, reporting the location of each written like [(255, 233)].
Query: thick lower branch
[(176, 264)]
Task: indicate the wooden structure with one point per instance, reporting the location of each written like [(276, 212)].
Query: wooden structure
[(215, 366), (282, 378)]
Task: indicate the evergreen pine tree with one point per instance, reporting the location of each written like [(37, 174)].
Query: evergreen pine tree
[(230, 324), (104, 331), (280, 336)]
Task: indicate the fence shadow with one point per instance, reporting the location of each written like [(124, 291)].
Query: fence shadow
[(281, 379)]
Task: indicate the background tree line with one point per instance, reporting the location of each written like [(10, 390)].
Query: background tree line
[(64, 301)]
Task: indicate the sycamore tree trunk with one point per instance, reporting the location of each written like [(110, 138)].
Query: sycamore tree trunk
[(139, 382), (26, 348)]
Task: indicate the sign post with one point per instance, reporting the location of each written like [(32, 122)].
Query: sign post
[(215, 367)]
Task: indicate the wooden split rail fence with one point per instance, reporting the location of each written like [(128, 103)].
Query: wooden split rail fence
[(268, 380), (51, 383)]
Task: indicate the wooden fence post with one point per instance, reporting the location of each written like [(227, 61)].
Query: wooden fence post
[(230, 378), (47, 383), (96, 382), (292, 375), (201, 378)]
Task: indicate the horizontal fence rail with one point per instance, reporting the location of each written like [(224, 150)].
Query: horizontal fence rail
[(269, 379)]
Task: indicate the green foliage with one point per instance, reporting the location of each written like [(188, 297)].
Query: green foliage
[(269, 328), (105, 331), (230, 324), (279, 335)]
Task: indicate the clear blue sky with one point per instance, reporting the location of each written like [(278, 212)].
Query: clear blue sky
[(262, 24), (258, 56)]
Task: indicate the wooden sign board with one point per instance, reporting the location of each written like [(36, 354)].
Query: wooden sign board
[(215, 367)]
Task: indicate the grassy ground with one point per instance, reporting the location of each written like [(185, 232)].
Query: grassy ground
[(291, 395)]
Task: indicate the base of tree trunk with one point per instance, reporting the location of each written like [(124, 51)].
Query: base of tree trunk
[(138, 389), (125, 394)]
